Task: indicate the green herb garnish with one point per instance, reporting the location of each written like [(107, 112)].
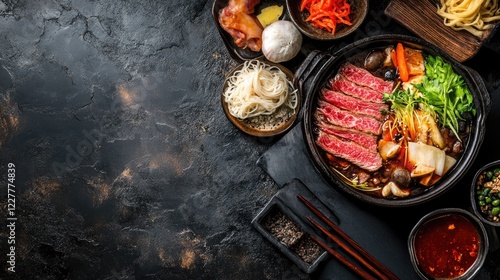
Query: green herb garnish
[(446, 93), (404, 102)]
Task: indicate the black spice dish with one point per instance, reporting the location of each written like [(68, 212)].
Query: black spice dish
[(316, 73), (278, 224), (485, 194), (283, 229)]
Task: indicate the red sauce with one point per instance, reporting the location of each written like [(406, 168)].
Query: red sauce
[(447, 246)]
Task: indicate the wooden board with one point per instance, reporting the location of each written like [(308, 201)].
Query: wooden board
[(421, 18)]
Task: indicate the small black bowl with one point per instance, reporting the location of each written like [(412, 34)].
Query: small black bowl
[(474, 196), (236, 52), (460, 219), (359, 10)]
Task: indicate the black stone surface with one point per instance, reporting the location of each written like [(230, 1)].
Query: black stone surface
[(125, 165)]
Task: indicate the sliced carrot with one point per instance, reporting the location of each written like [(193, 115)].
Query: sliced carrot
[(401, 62), (327, 14), (304, 4)]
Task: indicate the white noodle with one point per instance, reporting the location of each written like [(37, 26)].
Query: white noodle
[(258, 89), (474, 16)]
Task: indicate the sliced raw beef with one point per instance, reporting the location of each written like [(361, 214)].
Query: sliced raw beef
[(341, 83), (347, 119), (353, 104), (349, 151), (364, 78), (369, 141)]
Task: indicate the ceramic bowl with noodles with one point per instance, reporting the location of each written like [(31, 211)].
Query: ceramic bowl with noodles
[(259, 98)]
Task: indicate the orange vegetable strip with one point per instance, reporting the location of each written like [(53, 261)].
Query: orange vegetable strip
[(402, 66), (304, 4), (327, 13)]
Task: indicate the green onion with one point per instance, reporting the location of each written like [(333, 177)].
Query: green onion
[(354, 183)]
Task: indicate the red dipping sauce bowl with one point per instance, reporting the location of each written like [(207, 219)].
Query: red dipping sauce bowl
[(448, 243)]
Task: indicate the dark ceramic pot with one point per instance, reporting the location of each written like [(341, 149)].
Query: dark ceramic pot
[(317, 68)]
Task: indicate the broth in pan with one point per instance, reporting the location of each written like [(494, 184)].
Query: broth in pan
[(393, 121)]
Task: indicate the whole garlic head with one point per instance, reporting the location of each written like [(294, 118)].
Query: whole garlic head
[(281, 41)]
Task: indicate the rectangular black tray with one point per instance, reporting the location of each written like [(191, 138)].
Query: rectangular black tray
[(287, 203)]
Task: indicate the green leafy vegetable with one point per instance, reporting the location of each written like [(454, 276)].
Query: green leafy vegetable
[(445, 92)]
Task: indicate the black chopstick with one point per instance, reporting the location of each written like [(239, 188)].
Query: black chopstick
[(358, 250)]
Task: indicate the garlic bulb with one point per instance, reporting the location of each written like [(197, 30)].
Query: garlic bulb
[(281, 41)]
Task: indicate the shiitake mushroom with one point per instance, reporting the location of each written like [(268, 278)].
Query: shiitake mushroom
[(401, 177), (374, 60)]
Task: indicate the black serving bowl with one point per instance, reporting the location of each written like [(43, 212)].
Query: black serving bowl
[(475, 196), (462, 219), (359, 10), (236, 52), (317, 69)]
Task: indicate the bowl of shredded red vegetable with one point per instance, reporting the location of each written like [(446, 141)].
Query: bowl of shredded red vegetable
[(327, 19)]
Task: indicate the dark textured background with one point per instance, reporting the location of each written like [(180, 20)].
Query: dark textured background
[(126, 167)]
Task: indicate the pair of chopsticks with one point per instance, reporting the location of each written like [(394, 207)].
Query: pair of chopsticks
[(350, 246)]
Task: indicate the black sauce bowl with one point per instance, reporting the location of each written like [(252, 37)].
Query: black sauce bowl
[(472, 271)]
